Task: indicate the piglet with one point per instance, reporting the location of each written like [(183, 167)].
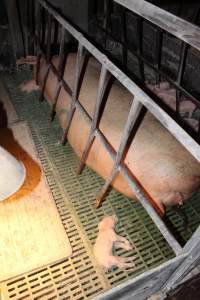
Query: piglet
[(103, 249)]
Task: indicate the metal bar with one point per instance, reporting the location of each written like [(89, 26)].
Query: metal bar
[(43, 27), (41, 98), (62, 81), (79, 68), (26, 26), (178, 27), (135, 111), (38, 31), (106, 13), (106, 187), (49, 23), (106, 18), (124, 38), (31, 10), (178, 99), (55, 100), (61, 69), (48, 55), (151, 211), (56, 30), (158, 52), (193, 242), (198, 130), (139, 46), (181, 69), (103, 83)]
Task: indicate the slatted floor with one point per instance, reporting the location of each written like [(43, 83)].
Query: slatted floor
[(78, 277)]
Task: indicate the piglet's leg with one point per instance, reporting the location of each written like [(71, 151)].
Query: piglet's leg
[(122, 242), (123, 262)]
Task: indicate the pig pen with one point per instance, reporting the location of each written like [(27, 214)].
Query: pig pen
[(163, 257)]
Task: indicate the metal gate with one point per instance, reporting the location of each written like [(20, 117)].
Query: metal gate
[(43, 31)]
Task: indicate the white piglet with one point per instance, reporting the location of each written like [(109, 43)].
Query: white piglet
[(107, 238)]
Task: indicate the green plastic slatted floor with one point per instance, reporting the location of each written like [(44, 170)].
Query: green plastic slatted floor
[(77, 277)]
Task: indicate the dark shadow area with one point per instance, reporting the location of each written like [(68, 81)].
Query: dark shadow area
[(187, 291), (3, 116)]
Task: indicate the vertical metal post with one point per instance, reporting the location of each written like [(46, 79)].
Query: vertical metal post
[(158, 52), (124, 39), (26, 17), (81, 64), (135, 112), (30, 26), (199, 128), (107, 12), (184, 49), (43, 26), (61, 69), (139, 35), (48, 54), (34, 25), (38, 34), (104, 81), (56, 31)]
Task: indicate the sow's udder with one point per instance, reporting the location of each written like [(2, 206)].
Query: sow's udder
[(165, 169)]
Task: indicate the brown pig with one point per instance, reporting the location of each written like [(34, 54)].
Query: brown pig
[(161, 164)]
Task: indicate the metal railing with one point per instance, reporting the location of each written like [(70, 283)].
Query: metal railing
[(137, 109), (48, 20), (161, 24)]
